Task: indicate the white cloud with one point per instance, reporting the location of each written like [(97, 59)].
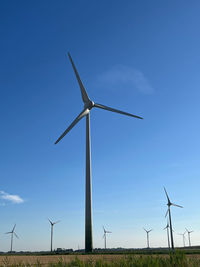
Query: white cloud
[(120, 75), (12, 198)]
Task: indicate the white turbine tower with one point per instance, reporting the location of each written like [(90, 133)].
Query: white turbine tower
[(52, 225), (167, 227), (104, 236), (147, 231), (169, 204), (189, 232), (12, 233), (88, 105), (183, 235)]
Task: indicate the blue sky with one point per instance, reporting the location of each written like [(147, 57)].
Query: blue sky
[(139, 56)]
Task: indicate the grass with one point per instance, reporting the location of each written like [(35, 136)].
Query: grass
[(177, 259)]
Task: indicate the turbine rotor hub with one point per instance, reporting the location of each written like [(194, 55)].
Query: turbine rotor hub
[(89, 105)]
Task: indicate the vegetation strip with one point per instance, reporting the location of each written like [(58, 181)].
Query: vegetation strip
[(177, 259)]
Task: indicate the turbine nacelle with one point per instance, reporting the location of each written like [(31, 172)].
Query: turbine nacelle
[(169, 204), (89, 105), (188, 231), (105, 231), (147, 231), (52, 223)]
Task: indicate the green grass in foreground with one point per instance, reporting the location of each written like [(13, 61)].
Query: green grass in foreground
[(177, 259)]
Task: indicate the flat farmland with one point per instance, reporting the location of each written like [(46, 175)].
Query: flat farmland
[(46, 259), (112, 260)]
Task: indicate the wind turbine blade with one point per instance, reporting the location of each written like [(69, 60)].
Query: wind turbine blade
[(145, 230), (50, 221), (56, 222), (104, 229), (78, 118), (167, 196), (108, 232), (103, 236), (176, 205), (167, 212), (13, 228), (150, 230), (16, 235), (8, 233), (83, 91), (165, 228), (116, 110), (186, 230)]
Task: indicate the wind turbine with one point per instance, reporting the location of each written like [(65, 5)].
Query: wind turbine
[(147, 231), (88, 105), (189, 232), (104, 236), (12, 233), (169, 204), (52, 225), (183, 235), (167, 227)]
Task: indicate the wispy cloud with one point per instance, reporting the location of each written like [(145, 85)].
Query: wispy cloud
[(120, 76), (12, 198)]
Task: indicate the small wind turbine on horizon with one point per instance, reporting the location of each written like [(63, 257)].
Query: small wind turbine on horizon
[(167, 227), (104, 236), (88, 106), (183, 235), (147, 231), (169, 204), (52, 225), (12, 233), (189, 232)]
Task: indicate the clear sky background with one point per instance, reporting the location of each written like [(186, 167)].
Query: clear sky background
[(139, 56)]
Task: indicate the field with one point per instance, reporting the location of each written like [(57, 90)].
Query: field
[(45, 260), (110, 260)]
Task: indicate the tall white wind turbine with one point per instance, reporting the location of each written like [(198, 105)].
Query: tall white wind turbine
[(169, 204), (52, 225), (104, 235), (189, 232), (88, 105), (12, 233), (147, 231)]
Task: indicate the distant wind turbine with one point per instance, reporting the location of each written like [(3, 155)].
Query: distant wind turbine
[(88, 105), (104, 236), (12, 233), (167, 227), (169, 204), (189, 232), (147, 231), (52, 225), (183, 235)]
